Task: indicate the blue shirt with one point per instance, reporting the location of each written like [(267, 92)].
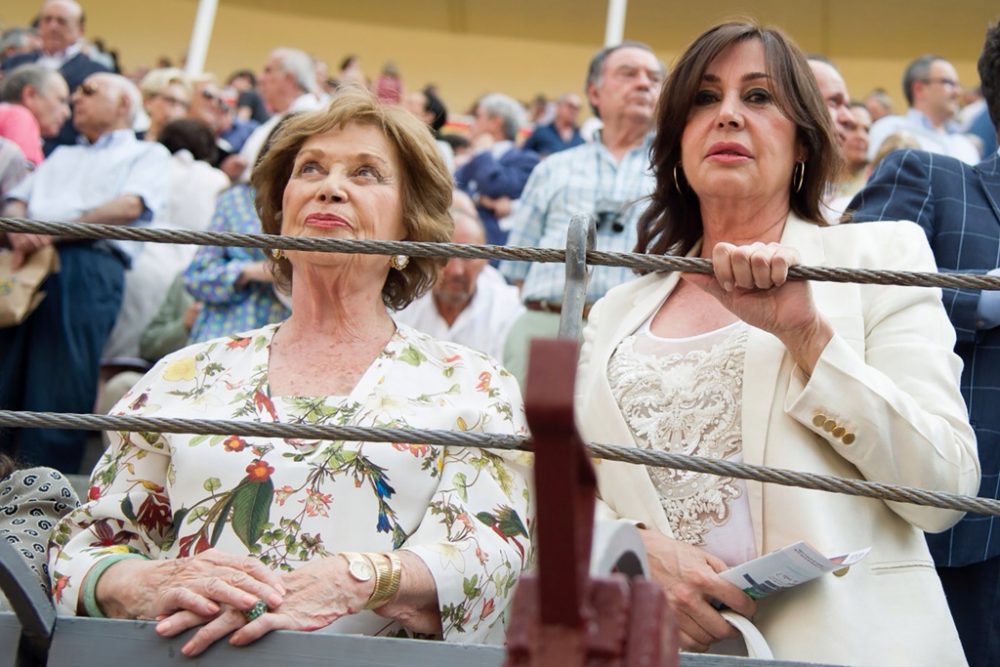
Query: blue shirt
[(228, 308), (75, 179), (546, 140), (581, 180)]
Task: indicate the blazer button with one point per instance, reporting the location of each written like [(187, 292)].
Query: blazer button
[(848, 438), (819, 420), (837, 432), (829, 425), (841, 572)]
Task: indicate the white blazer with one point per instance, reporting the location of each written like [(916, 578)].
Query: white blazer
[(889, 382)]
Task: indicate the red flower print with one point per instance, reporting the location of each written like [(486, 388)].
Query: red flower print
[(58, 588), (108, 536), (94, 493), (453, 358), (154, 514), (488, 606), (259, 471), (234, 443), (484, 382), (237, 343), (262, 402), (416, 450), (140, 402), (185, 544)]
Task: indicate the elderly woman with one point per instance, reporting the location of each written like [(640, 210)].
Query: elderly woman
[(244, 535), (844, 379), (166, 96)]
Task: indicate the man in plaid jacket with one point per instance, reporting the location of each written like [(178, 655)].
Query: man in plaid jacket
[(958, 205)]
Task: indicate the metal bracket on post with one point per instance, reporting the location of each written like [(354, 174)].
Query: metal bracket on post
[(561, 615), (580, 237)]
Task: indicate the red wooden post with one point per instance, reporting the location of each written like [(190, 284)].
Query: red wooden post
[(561, 616)]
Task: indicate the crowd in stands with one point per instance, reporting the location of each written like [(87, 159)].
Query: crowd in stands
[(83, 140)]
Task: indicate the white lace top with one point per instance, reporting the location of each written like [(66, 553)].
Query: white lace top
[(685, 395)]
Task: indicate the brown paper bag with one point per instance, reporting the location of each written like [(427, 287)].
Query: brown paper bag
[(19, 293)]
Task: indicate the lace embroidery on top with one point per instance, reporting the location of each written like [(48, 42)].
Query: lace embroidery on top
[(688, 402)]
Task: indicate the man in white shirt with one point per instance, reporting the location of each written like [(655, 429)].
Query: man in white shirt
[(931, 87), (287, 85), (50, 361), (470, 303)]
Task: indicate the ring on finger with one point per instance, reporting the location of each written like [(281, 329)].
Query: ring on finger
[(258, 609)]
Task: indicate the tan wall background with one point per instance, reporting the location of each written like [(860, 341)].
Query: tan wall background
[(523, 47)]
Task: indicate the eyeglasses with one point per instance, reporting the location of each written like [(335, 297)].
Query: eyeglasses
[(87, 89), (947, 83)]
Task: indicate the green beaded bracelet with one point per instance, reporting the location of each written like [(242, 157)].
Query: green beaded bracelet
[(93, 576)]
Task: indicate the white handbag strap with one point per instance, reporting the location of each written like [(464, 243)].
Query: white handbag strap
[(756, 644)]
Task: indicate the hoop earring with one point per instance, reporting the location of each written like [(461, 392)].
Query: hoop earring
[(799, 175), (278, 254), (399, 262), (677, 183)]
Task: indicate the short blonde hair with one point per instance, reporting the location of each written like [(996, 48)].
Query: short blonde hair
[(425, 183), (157, 80)]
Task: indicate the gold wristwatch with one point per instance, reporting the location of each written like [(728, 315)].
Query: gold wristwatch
[(359, 567)]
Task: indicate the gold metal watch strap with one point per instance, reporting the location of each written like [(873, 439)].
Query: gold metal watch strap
[(388, 571)]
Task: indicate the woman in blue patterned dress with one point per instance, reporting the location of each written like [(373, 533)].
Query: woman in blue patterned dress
[(234, 284), (244, 535)]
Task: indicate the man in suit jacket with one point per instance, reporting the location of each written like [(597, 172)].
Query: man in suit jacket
[(60, 26), (496, 174), (958, 206)]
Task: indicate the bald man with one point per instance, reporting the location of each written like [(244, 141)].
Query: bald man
[(470, 303), (51, 360), (61, 27)]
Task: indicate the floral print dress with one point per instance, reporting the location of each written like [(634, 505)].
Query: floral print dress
[(467, 513)]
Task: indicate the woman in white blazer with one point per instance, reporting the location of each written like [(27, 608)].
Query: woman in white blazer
[(853, 380)]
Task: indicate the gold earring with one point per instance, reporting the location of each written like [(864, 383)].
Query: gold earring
[(799, 174), (677, 183), (277, 254), (399, 262)]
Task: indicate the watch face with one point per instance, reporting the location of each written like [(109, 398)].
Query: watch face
[(360, 570)]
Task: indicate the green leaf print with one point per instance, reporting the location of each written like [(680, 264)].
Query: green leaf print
[(251, 509), (412, 356), (128, 510), (220, 522), (470, 586), (461, 486), (212, 484)]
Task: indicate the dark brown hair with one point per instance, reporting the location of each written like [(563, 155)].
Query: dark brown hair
[(426, 185), (673, 223)]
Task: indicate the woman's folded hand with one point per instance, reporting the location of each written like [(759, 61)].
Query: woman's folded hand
[(690, 579), (751, 281), (202, 584)]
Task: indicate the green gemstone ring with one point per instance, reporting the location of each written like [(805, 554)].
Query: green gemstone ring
[(258, 609)]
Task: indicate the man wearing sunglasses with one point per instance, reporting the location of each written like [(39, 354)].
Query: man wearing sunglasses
[(60, 27), (931, 86), (50, 361)]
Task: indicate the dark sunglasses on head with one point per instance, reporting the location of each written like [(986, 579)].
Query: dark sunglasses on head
[(612, 219)]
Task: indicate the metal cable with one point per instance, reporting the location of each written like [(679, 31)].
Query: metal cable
[(831, 483), (469, 251)]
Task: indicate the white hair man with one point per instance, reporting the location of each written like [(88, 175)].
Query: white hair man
[(34, 103), (287, 85), (61, 27), (470, 302), (50, 361), (498, 170)]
